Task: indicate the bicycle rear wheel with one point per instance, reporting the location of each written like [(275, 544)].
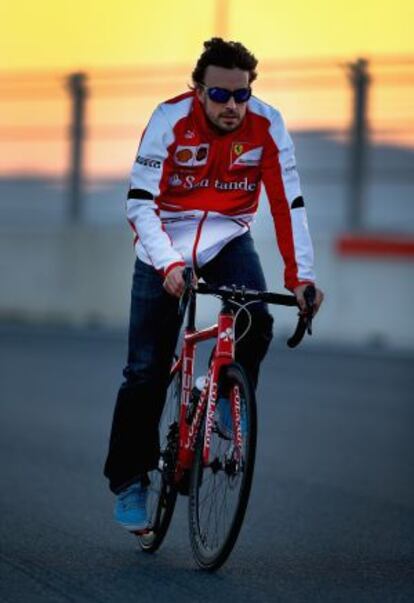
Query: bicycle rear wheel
[(219, 492), (162, 494)]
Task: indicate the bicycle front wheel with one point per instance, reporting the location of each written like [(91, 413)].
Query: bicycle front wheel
[(219, 492), (162, 493)]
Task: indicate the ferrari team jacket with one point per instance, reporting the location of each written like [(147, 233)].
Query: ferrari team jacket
[(192, 189)]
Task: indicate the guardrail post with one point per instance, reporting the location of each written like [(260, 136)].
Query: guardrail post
[(76, 84), (359, 78)]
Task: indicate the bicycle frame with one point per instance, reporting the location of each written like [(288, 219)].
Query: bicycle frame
[(223, 355)]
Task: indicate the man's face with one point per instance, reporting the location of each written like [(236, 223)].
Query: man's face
[(225, 116)]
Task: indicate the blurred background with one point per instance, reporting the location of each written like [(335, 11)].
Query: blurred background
[(78, 83)]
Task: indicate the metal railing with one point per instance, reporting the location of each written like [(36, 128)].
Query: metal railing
[(69, 125)]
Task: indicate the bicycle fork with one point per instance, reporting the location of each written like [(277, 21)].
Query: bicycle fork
[(223, 355)]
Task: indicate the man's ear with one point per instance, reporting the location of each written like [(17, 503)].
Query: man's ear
[(200, 94)]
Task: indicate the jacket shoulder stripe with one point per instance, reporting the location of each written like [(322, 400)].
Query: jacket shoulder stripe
[(176, 111), (179, 98), (259, 107)]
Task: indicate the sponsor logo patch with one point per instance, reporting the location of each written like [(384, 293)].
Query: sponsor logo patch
[(191, 155), (191, 182), (245, 154), (183, 156), (290, 168), (147, 162), (201, 153), (175, 180)]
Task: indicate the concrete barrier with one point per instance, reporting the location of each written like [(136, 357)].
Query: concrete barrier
[(74, 274), (81, 275)]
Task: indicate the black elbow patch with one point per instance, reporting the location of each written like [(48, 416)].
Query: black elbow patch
[(139, 193), (298, 202)]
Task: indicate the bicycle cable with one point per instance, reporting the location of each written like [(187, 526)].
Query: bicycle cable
[(249, 316)]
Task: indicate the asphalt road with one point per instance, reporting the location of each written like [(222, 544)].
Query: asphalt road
[(331, 517)]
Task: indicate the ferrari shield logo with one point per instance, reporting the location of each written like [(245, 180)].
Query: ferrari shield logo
[(237, 148)]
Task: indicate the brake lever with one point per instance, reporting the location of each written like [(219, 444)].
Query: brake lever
[(310, 296), (182, 306), (305, 318), (188, 276)]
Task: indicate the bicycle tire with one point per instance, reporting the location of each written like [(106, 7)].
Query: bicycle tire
[(162, 490), (210, 557)]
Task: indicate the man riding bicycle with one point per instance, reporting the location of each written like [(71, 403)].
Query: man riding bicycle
[(194, 192)]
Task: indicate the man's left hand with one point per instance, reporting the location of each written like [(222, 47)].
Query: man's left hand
[(299, 291)]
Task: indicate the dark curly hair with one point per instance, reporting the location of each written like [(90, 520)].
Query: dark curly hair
[(224, 54)]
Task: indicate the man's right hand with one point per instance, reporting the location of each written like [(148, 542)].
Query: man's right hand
[(174, 282)]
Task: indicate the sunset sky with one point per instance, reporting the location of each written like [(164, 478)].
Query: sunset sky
[(85, 33), (49, 37)]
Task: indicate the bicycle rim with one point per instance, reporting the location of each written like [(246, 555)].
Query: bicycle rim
[(161, 493), (219, 492)]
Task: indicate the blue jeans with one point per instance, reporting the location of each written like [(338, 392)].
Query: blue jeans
[(153, 333)]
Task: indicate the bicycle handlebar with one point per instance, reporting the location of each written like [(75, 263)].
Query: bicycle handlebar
[(243, 295)]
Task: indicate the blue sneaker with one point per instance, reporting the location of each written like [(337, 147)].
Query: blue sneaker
[(224, 420), (131, 508)]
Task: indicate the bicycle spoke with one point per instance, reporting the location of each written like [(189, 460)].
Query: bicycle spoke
[(213, 509)]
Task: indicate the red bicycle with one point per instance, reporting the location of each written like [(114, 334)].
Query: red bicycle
[(208, 437)]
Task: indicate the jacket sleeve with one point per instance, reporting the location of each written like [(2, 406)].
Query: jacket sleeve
[(146, 176), (281, 180)]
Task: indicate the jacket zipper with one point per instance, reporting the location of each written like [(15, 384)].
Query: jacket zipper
[(197, 239)]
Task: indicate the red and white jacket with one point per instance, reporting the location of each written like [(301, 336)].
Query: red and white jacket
[(192, 190)]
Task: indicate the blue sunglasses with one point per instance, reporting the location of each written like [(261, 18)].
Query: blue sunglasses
[(222, 95)]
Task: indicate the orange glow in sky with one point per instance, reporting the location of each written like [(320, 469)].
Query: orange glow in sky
[(63, 36)]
